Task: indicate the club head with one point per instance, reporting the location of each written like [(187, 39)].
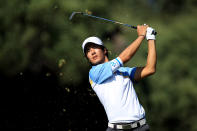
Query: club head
[(72, 15)]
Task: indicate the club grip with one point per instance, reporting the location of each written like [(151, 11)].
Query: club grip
[(134, 27), (154, 32)]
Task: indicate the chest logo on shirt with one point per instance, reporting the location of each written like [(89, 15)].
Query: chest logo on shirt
[(90, 81)]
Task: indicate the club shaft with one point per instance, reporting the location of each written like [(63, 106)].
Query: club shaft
[(116, 22)]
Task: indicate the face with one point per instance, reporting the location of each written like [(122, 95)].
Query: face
[(95, 54)]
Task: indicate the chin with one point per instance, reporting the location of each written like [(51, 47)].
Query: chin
[(96, 62)]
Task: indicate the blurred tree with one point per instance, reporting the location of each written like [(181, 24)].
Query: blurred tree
[(35, 35)]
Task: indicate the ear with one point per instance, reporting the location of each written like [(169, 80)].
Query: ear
[(105, 51)]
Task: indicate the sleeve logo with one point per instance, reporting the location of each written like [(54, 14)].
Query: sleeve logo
[(114, 65)]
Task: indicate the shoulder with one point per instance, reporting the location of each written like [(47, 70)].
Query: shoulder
[(99, 70), (102, 72)]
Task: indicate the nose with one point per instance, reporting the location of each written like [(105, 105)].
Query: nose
[(92, 51)]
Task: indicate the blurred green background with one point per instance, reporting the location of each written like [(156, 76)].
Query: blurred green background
[(40, 50)]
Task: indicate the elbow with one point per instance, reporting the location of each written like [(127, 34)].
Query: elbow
[(152, 71)]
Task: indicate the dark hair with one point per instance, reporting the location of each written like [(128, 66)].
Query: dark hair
[(103, 48)]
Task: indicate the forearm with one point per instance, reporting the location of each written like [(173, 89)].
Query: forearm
[(152, 56), (150, 67), (128, 53)]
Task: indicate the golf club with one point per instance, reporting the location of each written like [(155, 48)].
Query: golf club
[(116, 22)]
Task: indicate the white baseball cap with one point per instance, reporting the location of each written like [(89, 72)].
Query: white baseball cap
[(92, 39)]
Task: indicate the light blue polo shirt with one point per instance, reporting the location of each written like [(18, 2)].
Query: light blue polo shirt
[(113, 85)]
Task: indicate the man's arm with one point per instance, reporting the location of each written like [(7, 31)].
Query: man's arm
[(150, 68), (128, 53)]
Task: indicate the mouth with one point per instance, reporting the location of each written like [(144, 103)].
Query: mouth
[(94, 57)]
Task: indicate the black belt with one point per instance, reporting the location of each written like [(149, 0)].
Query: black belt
[(129, 125)]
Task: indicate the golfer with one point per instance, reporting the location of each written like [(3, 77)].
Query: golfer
[(113, 83)]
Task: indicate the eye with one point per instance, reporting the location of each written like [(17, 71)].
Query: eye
[(87, 50)]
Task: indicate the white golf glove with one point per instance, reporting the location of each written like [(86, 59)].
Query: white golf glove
[(149, 34)]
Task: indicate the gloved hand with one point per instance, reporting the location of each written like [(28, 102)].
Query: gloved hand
[(150, 33)]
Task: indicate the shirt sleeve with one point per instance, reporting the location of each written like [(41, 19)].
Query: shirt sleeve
[(126, 71), (98, 74), (131, 72)]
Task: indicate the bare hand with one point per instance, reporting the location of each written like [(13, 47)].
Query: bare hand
[(141, 30)]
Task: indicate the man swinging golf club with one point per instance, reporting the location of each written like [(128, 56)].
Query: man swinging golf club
[(113, 83)]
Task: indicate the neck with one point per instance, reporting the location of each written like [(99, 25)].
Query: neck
[(104, 60)]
